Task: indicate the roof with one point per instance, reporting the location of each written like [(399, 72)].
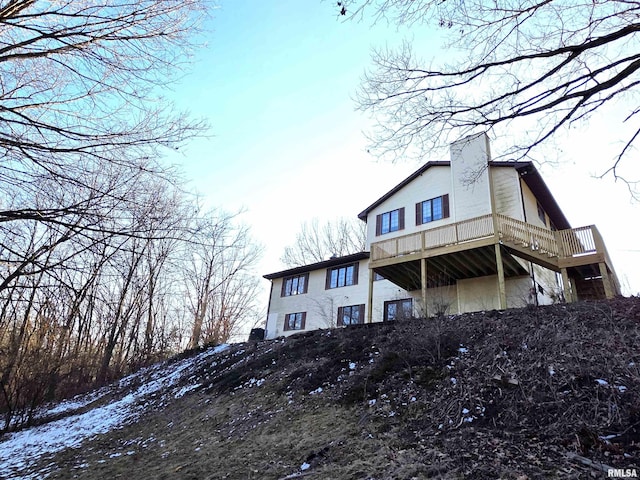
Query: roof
[(527, 171), (332, 262), (363, 215)]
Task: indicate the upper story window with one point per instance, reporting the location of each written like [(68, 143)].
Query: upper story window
[(390, 221), (294, 321), (432, 209), (352, 315), (342, 276), (295, 285), (541, 213)]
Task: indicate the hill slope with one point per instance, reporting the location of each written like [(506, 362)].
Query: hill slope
[(549, 392)]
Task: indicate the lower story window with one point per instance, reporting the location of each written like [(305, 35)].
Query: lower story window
[(398, 309), (352, 315), (294, 321)]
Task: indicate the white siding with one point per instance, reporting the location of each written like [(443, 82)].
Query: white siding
[(531, 206), (434, 182), (506, 191), (440, 299), (383, 291), (468, 295), (321, 305), (476, 294), (470, 177), (519, 293), (548, 280)]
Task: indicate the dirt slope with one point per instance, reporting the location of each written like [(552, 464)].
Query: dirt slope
[(549, 392)]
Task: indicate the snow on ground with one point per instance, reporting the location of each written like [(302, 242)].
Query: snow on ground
[(20, 450)]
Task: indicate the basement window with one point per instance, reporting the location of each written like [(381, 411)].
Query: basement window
[(295, 321), (398, 309), (352, 315)]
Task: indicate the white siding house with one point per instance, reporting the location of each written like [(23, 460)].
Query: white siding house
[(456, 236)]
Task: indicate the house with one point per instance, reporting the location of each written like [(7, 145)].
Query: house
[(456, 236)]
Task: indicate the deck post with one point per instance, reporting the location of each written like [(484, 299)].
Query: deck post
[(370, 296), (606, 280), (559, 245), (566, 286), (501, 285), (423, 285)]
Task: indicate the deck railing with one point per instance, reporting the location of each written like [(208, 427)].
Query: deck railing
[(562, 244), (538, 239), (577, 241), (455, 233)]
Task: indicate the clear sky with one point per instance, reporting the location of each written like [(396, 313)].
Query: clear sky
[(276, 82)]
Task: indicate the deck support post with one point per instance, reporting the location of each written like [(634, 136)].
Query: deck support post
[(566, 286), (501, 284), (606, 280), (423, 285), (370, 296)]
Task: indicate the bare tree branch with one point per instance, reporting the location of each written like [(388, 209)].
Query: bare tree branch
[(317, 242), (511, 65)]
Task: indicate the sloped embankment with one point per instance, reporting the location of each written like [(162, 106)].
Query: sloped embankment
[(550, 392)]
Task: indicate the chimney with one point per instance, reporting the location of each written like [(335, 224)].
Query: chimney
[(470, 157)]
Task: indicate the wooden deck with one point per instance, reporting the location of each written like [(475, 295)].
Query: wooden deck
[(569, 252)]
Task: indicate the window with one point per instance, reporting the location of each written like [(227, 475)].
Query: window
[(294, 321), (294, 285), (390, 221), (352, 315), (541, 215), (432, 209), (342, 276), (398, 309), (377, 276)]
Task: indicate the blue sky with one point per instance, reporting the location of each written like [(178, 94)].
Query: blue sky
[(276, 82)]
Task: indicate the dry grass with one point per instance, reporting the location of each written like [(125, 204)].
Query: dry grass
[(496, 395)]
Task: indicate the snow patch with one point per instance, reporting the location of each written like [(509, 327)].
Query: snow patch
[(186, 389), (20, 450)]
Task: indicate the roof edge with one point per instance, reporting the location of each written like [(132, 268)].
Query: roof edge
[(363, 215), (332, 262)]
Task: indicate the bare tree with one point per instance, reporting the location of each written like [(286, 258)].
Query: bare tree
[(317, 242), (79, 98), (537, 67), (90, 218), (95, 307), (219, 290)]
